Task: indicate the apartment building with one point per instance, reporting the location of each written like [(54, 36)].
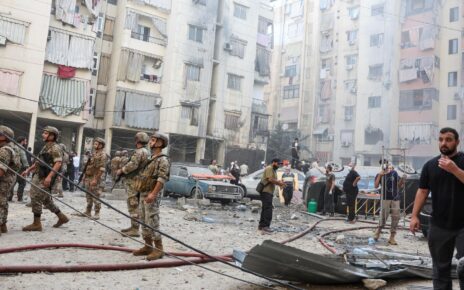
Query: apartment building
[(386, 78), (194, 69)]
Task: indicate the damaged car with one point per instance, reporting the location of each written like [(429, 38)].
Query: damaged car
[(192, 180)]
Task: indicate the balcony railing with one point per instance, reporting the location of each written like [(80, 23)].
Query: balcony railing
[(148, 38)]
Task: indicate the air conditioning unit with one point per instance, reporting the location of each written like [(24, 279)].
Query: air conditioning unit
[(158, 102), (158, 63), (227, 46), (349, 67)]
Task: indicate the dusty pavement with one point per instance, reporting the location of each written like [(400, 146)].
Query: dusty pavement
[(233, 228)]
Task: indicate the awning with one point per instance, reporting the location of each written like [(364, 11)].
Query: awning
[(320, 131), (63, 96)]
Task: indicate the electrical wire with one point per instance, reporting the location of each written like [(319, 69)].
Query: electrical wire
[(150, 227)]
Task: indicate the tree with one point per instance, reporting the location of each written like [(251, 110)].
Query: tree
[(280, 143)]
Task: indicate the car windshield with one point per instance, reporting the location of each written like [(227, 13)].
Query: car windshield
[(200, 170)]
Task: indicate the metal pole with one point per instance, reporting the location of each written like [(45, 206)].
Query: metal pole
[(382, 186), (404, 189)]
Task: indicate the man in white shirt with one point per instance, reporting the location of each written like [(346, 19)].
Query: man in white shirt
[(76, 161), (243, 169)]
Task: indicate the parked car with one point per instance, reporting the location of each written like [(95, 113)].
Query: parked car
[(425, 216), (251, 181), (366, 185), (191, 179)]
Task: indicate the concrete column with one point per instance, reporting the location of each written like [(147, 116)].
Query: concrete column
[(66, 136), (32, 128), (108, 139), (80, 136), (200, 150), (221, 153)]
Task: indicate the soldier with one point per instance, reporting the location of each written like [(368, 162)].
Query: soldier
[(125, 157), (150, 184), (24, 164), (44, 178), (130, 170), (8, 157), (57, 187), (93, 174), (115, 164)]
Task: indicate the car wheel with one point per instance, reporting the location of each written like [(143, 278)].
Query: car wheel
[(196, 193), (244, 190)]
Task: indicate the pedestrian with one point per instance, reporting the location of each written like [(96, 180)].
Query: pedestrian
[(295, 153), (329, 191), (76, 163), (115, 165), (443, 178), (70, 172), (263, 165), (350, 187), (290, 180), (44, 178), (235, 172), (213, 167), (150, 185), (390, 200), (243, 170), (22, 141), (93, 178), (129, 170), (269, 180), (8, 158)]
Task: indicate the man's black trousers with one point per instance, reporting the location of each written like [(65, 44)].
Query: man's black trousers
[(266, 210)]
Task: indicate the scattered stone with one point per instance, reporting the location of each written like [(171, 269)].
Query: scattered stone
[(339, 239), (190, 218), (256, 203), (201, 275), (187, 206), (191, 210), (255, 209), (191, 201), (294, 217), (207, 219), (373, 284), (205, 202), (246, 200), (180, 202), (241, 207), (144, 279)]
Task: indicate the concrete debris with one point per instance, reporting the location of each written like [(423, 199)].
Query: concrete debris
[(207, 219), (246, 200), (339, 239), (256, 203), (180, 202), (190, 217), (192, 202), (241, 207), (255, 209), (294, 217), (204, 202), (187, 206), (373, 284)]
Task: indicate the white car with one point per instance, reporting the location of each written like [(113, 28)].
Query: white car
[(251, 181)]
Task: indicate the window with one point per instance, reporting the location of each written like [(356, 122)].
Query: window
[(377, 39), (201, 2), (237, 47), (349, 110), (264, 26), (114, 2), (108, 31), (192, 72), (351, 60), (240, 11), (413, 100), (234, 82), (377, 9), (375, 71), (374, 102), (195, 33), (142, 33), (406, 39), (290, 71), (190, 113), (232, 121), (353, 12), (451, 112), (294, 29), (291, 92), (452, 79), (418, 6), (453, 46), (352, 36), (454, 14)]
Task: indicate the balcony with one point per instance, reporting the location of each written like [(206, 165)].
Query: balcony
[(259, 107)]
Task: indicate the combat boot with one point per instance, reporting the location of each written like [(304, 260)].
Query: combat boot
[(96, 216), (62, 219), (133, 232), (146, 249), (377, 233), (3, 228), (36, 226), (158, 252), (126, 230), (392, 240)]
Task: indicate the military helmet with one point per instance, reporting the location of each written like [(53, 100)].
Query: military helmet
[(124, 152), (117, 153), (6, 131), (100, 140), (163, 137), (142, 137), (53, 130)]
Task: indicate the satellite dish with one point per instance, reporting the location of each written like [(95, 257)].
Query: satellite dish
[(285, 126)]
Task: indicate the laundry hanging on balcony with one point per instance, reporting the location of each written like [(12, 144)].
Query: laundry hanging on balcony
[(66, 72), (65, 11), (70, 50), (63, 96), (13, 30), (94, 6)]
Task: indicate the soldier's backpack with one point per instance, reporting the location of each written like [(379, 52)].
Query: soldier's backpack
[(15, 163), (145, 181)]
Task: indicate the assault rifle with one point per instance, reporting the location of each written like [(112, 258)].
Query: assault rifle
[(83, 171)]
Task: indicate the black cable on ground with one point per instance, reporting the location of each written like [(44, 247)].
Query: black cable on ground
[(148, 226)]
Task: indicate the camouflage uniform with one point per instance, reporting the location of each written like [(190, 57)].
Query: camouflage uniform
[(97, 163), (57, 187), (158, 169), (115, 166), (39, 198), (7, 157), (21, 182), (137, 159)]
